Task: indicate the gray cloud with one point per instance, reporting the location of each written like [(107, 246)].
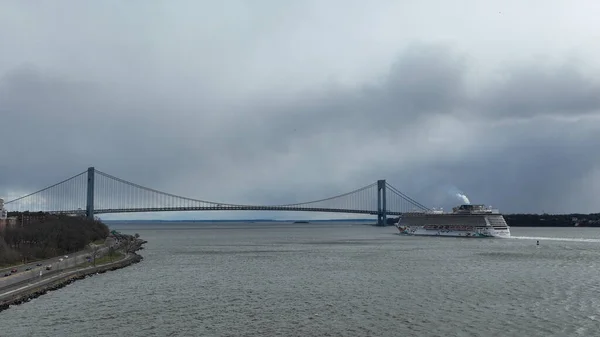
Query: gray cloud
[(531, 90), (530, 174), (522, 141)]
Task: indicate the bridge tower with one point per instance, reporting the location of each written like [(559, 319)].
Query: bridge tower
[(381, 203), (89, 208)]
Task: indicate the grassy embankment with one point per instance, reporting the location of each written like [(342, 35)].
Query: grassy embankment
[(108, 258)]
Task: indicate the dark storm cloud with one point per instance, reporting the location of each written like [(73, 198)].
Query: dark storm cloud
[(317, 143), (55, 127), (531, 90), (524, 164), (424, 80), (532, 173)]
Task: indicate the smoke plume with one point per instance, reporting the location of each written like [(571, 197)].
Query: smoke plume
[(463, 198)]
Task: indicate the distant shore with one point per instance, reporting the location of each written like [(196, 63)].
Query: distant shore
[(513, 220)]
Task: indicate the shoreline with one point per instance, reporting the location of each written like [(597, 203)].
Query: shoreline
[(34, 291)]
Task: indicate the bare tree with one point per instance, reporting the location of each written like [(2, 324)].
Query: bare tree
[(94, 251), (111, 253), (130, 245)]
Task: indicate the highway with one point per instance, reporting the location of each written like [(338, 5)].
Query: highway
[(8, 291), (47, 277), (71, 261)]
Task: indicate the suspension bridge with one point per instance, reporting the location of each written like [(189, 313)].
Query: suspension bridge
[(96, 192)]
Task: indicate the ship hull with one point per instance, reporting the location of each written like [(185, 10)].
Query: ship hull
[(474, 233)]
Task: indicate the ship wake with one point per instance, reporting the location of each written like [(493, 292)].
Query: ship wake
[(555, 239)]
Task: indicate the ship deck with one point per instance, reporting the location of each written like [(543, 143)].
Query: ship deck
[(448, 219)]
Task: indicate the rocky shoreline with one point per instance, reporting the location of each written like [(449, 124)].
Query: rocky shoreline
[(28, 294)]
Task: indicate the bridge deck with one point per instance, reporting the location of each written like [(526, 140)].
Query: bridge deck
[(231, 208)]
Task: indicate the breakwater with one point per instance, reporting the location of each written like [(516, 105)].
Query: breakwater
[(43, 287)]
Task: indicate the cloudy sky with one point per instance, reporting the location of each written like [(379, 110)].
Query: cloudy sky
[(270, 102)]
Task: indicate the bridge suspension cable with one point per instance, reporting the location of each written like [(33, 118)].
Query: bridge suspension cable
[(402, 202), (115, 195), (372, 186), (67, 196)]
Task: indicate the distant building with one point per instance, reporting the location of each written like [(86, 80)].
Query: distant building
[(22, 218), (12, 221), (3, 215), (28, 218), (3, 211)]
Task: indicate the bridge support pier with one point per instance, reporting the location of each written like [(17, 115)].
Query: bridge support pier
[(89, 208), (381, 203)]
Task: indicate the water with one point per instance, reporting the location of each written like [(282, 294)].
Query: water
[(330, 280)]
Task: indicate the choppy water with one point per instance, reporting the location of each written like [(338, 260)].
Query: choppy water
[(330, 280)]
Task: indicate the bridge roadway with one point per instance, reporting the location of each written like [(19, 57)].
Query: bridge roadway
[(234, 208)]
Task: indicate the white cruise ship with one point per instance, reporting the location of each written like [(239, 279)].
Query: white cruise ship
[(475, 221)]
